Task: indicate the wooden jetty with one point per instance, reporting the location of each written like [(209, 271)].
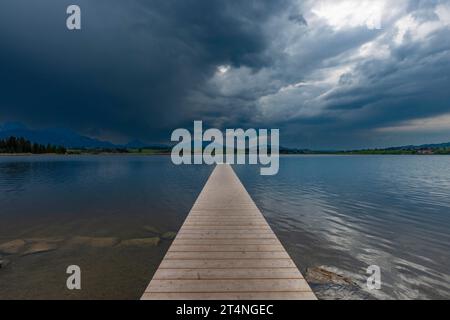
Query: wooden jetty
[(226, 250)]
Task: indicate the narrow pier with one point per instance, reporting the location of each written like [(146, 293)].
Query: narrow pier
[(226, 250)]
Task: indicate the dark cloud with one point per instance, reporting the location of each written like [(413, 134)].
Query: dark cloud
[(139, 69), (130, 67), (299, 18)]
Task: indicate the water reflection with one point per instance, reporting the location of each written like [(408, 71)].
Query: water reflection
[(44, 198), (352, 212)]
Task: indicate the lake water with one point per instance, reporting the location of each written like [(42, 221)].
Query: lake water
[(341, 212)]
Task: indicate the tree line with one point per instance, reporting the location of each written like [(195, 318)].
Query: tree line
[(21, 145)]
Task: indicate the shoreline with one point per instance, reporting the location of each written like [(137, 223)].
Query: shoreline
[(168, 154), (80, 154)]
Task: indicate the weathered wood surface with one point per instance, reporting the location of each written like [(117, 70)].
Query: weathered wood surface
[(226, 250)]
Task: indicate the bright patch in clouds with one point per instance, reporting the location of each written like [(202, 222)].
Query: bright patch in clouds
[(374, 50), (437, 123), (223, 69), (419, 31), (351, 13), (443, 12)]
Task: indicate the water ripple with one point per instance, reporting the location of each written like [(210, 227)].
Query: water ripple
[(352, 212)]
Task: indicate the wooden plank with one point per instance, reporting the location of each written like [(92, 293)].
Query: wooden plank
[(227, 223), (207, 235), (199, 234), (232, 206), (217, 274), (191, 255), (223, 248), (224, 219), (219, 232), (225, 241), (228, 285), (226, 250), (186, 227), (230, 217), (225, 212), (227, 264), (298, 295)]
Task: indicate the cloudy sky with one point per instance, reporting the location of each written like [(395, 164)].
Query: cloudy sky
[(327, 73)]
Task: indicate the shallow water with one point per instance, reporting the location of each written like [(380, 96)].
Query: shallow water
[(90, 196), (345, 213)]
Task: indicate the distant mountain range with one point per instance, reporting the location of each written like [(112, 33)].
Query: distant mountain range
[(70, 139), (437, 148), (56, 136), (61, 137), (422, 147)]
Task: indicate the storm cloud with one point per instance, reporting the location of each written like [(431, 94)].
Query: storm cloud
[(329, 74)]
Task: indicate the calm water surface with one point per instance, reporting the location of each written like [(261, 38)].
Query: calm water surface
[(350, 212), (345, 213)]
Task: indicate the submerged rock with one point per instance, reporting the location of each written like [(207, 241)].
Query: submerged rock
[(97, 242), (324, 275), (3, 263), (169, 235), (12, 247), (340, 292), (39, 247), (152, 229), (140, 242), (48, 240), (328, 284)]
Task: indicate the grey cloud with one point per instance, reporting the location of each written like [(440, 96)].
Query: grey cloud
[(299, 18), (130, 67), (139, 69)]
